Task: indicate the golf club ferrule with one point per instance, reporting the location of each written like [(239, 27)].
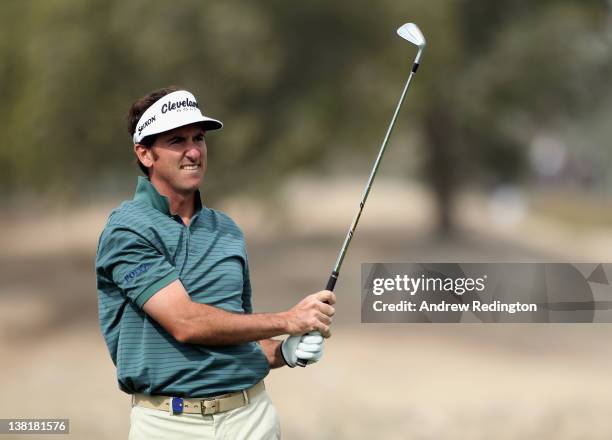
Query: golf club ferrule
[(417, 59)]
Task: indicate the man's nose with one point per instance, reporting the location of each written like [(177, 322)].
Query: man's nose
[(194, 150)]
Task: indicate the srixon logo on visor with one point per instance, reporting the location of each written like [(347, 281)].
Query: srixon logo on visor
[(185, 104), (146, 124)]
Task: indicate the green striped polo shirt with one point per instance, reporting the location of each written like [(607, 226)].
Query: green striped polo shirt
[(142, 249)]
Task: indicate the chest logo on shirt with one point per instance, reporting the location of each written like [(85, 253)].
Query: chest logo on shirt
[(136, 272)]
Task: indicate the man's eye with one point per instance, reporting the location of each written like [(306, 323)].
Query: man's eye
[(199, 138)]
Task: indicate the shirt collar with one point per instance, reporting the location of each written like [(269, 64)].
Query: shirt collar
[(147, 192)]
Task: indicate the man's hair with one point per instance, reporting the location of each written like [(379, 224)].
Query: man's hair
[(136, 111)]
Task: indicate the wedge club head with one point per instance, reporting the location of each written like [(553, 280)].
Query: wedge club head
[(412, 33)]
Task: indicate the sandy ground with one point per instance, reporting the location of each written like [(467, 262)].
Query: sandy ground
[(402, 381)]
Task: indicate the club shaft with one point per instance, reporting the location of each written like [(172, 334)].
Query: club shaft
[(366, 192), (331, 283)]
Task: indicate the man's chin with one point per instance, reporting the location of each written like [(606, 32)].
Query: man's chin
[(188, 186)]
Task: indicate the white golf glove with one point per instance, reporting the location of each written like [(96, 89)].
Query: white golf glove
[(307, 346)]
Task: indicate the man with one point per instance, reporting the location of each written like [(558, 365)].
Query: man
[(175, 296)]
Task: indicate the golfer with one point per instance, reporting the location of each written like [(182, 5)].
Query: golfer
[(174, 294)]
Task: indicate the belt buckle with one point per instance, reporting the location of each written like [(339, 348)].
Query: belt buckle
[(209, 406)]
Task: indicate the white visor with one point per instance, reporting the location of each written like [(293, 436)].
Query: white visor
[(173, 110)]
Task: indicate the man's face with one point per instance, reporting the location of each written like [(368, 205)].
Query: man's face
[(177, 160)]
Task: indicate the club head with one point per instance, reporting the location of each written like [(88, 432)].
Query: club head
[(412, 33)]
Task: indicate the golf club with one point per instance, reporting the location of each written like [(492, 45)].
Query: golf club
[(412, 33)]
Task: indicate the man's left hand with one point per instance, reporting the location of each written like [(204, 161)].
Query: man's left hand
[(308, 346)]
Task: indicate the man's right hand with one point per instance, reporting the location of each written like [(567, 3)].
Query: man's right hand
[(313, 313)]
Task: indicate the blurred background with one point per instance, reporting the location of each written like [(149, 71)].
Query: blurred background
[(501, 153)]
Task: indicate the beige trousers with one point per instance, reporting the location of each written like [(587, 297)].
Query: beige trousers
[(256, 421)]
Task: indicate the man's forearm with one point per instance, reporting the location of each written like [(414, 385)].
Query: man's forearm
[(208, 325), (272, 350), (195, 323)]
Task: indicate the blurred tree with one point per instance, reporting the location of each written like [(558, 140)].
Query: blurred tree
[(520, 67), (295, 84)]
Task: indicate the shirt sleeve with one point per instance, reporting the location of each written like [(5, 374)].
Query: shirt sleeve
[(133, 264)]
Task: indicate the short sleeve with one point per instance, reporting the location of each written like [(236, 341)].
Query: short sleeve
[(133, 264)]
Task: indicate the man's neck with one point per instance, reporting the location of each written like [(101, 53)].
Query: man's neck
[(182, 204)]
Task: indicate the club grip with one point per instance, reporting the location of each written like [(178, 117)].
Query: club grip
[(331, 283)]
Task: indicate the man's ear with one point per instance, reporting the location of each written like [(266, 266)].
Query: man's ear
[(144, 155)]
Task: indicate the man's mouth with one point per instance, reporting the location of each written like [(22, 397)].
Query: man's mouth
[(190, 166)]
